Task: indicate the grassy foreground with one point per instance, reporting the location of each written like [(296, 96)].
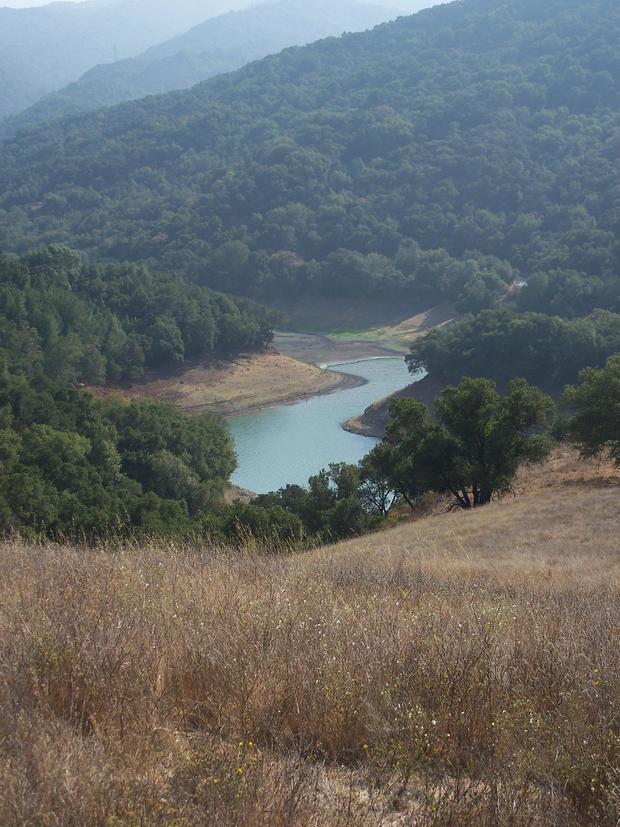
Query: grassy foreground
[(460, 670)]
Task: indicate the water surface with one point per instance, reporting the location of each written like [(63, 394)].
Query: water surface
[(289, 443)]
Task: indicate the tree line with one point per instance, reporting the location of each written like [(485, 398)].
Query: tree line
[(78, 322), (502, 343)]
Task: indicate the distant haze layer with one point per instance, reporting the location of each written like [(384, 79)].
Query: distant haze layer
[(26, 4)]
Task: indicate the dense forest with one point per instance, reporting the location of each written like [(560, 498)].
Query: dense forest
[(501, 344), (219, 44), (77, 322), (72, 465), (439, 156)]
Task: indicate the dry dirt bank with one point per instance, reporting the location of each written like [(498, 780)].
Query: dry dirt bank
[(373, 421), (316, 349), (239, 386), (290, 371)]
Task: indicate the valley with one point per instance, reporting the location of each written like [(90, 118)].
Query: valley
[(283, 429), (309, 413)]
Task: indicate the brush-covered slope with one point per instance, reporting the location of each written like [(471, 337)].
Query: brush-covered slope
[(42, 49), (215, 46), (472, 141), (463, 669)]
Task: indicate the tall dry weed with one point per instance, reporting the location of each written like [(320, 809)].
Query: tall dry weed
[(459, 671)]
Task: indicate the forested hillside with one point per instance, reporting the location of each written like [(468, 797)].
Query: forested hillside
[(501, 344), (42, 49), (78, 322), (442, 155), (74, 465), (71, 465), (220, 44)]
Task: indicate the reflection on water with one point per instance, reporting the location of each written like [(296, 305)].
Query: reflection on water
[(289, 443)]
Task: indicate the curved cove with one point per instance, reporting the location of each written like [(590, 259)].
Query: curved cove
[(289, 443)]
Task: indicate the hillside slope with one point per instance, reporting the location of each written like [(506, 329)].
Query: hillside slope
[(218, 45), (42, 49), (463, 669), (472, 141)]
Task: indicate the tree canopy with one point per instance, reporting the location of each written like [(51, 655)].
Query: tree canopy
[(501, 344), (73, 466), (335, 504), (595, 405), (77, 322), (475, 444), (443, 155)]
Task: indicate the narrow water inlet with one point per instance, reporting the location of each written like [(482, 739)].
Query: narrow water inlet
[(289, 443)]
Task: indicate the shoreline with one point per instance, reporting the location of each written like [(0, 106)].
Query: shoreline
[(296, 368), (252, 382), (355, 425), (373, 421), (321, 350), (345, 381)]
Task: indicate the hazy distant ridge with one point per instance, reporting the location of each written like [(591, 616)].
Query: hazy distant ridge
[(216, 45), (43, 49)]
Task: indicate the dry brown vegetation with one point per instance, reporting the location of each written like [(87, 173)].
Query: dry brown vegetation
[(459, 670), (238, 386)]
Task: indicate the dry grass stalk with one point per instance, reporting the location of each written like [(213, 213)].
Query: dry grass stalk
[(461, 670)]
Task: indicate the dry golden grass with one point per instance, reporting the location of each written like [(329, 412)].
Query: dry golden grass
[(459, 670), (245, 384)]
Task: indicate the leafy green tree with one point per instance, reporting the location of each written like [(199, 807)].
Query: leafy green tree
[(378, 491), (388, 467), (476, 445), (167, 340), (335, 505), (173, 479), (500, 344), (481, 292), (595, 404)]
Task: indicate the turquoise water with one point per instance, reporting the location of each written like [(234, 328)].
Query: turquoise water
[(290, 443)]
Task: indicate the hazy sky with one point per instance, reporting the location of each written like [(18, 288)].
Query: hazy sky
[(22, 4)]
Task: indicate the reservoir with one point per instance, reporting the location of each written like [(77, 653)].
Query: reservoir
[(288, 444)]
